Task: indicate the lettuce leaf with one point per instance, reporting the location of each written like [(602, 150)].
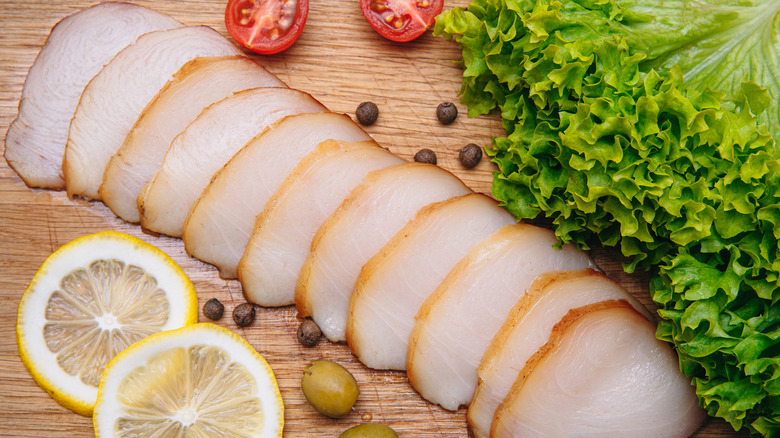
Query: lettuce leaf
[(619, 136), (722, 44), (716, 44)]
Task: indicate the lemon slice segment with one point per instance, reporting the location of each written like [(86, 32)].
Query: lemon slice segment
[(88, 301), (198, 381)]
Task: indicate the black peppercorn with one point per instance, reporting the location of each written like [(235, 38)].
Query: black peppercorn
[(446, 112), (425, 156), (244, 314), (213, 309), (470, 155), (367, 113), (309, 333)]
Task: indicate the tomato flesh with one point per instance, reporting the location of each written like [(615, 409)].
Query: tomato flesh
[(266, 26), (401, 20)]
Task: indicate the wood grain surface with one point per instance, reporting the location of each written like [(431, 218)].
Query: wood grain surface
[(341, 61)]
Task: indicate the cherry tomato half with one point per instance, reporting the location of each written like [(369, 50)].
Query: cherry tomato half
[(266, 26), (401, 20)]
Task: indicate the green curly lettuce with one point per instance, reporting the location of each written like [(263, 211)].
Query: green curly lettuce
[(634, 125)]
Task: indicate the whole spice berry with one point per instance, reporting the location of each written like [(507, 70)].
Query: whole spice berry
[(367, 113), (446, 112), (425, 156), (244, 314), (470, 155), (309, 333), (213, 309)]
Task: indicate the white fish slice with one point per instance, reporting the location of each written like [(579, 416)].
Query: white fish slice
[(528, 328), (372, 214), (602, 373), (396, 281), (220, 223), (75, 51), (115, 97), (200, 151), (198, 84), (457, 322), (284, 231)]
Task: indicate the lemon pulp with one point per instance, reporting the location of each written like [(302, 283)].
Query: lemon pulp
[(189, 392), (98, 312)]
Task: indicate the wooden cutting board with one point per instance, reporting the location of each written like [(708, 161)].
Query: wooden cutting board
[(342, 62)]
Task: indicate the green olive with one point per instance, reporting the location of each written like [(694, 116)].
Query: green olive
[(369, 430), (329, 388)]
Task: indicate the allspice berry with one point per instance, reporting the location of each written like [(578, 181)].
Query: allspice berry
[(470, 155), (244, 314), (425, 156), (309, 333), (446, 112), (367, 113), (213, 309)]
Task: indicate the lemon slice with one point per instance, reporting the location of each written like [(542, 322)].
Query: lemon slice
[(198, 381), (89, 300)]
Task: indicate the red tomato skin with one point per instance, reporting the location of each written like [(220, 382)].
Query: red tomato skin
[(266, 46), (406, 33)]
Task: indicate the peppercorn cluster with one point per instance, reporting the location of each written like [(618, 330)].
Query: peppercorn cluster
[(471, 154)]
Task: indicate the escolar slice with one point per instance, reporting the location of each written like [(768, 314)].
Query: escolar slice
[(91, 299), (198, 381)]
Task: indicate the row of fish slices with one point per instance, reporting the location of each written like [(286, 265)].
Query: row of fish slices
[(450, 357), (454, 328), (465, 279), (468, 308), (395, 284)]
